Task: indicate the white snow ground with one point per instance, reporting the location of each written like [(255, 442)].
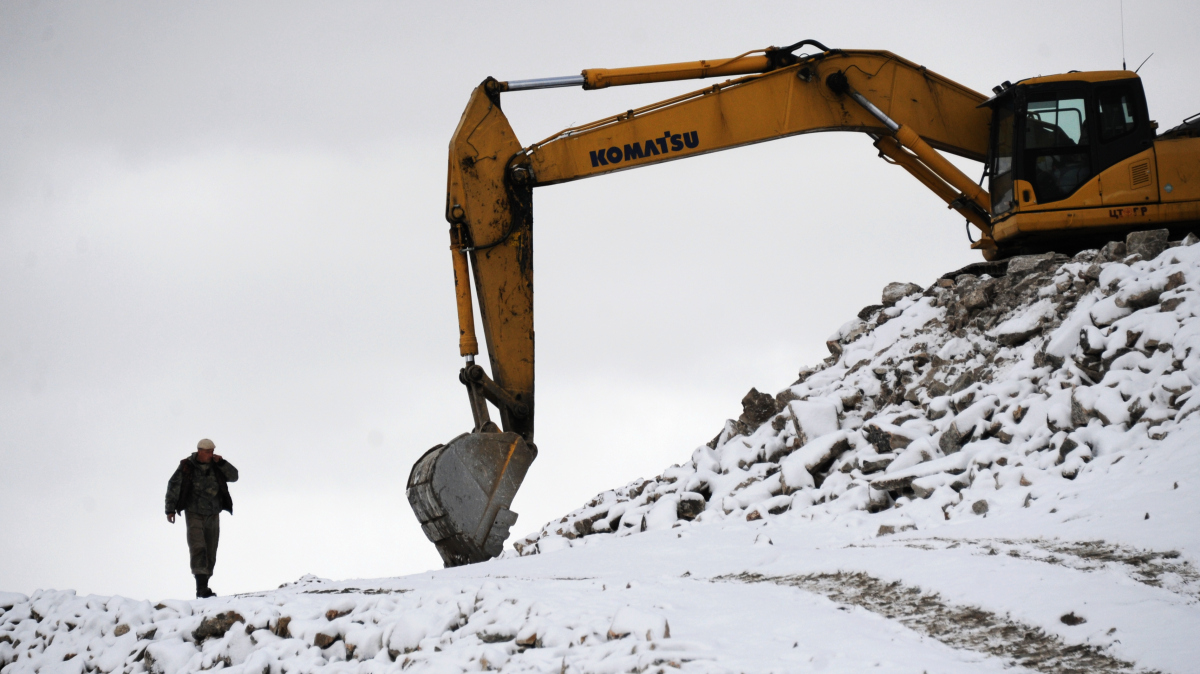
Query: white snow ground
[(965, 486)]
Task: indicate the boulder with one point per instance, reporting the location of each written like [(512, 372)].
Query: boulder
[(875, 465), (1023, 264), (690, 506), (894, 292), (1066, 447), (216, 626), (757, 407), (1070, 618), (1139, 300), (1113, 250), (953, 439), (323, 640), (638, 624), (1172, 304), (868, 311), (1079, 414), (889, 529), (813, 418), (893, 484), (1149, 244), (1019, 337), (1175, 280), (980, 295)]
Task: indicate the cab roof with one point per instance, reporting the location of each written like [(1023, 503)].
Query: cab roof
[(1091, 76)]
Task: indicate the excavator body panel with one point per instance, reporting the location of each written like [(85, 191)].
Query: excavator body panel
[(1178, 168)]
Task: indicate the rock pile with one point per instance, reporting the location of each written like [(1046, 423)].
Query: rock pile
[(980, 392), (318, 626)]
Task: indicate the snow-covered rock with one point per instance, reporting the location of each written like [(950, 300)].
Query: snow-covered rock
[(930, 403)]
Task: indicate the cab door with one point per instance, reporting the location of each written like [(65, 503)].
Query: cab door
[(1056, 143), (1124, 151)]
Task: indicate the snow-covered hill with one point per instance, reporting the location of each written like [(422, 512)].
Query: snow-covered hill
[(995, 473), (976, 394)]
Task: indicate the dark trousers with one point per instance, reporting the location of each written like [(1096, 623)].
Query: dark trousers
[(203, 531)]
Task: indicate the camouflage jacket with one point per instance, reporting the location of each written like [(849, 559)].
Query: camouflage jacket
[(201, 488)]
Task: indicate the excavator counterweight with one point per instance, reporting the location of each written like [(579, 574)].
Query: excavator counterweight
[(1072, 160)]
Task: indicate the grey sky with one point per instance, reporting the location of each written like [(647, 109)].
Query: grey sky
[(224, 220)]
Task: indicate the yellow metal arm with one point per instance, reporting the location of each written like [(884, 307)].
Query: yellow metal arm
[(491, 177), (755, 61), (890, 148), (599, 78), (784, 102)]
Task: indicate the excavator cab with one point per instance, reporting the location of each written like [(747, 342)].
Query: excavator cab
[(1052, 135), (1076, 162)]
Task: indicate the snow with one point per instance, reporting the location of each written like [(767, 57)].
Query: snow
[(630, 621), (954, 490)]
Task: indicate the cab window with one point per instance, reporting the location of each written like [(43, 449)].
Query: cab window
[(1056, 154), (1116, 111), (1056, 123), (1001, 182)]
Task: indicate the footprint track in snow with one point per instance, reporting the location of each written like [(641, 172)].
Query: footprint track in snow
[(962, 627), (1156, 568)]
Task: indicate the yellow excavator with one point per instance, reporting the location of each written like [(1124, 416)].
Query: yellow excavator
[(1072, 161)]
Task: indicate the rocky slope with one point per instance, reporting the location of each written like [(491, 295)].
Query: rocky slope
[(989, 389)]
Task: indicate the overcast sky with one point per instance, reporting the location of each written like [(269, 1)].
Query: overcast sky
[(225, 220)]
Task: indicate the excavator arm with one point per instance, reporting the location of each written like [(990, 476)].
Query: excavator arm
[(461, 491)]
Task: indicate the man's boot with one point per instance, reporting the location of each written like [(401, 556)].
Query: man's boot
[(202, 590)]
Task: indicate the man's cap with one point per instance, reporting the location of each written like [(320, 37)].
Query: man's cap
[(206, 444)]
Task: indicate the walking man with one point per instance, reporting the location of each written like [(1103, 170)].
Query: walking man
[(199, 489)]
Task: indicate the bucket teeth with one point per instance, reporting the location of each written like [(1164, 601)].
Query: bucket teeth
[(461, 491), (499, 533)]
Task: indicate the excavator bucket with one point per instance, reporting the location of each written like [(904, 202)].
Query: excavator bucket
[(461, 492)]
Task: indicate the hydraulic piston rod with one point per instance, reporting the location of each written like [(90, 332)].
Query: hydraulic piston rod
[(543, 83), (930, 157), (757, 61), (599, 78)]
